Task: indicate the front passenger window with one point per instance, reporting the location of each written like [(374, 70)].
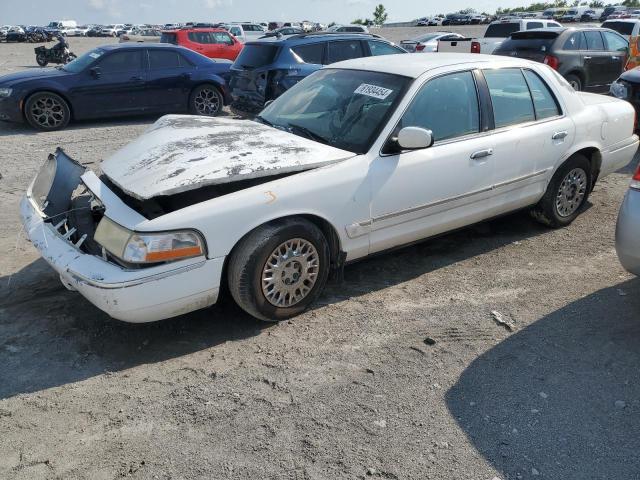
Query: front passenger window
[(446, 105)]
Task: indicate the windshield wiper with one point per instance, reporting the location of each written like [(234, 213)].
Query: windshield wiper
[(307, 133)]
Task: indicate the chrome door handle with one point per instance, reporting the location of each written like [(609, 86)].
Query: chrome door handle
[(481, 153), (586, 58), (559, 135)]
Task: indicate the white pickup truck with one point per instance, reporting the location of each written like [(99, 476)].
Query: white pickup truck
[(496, 33)]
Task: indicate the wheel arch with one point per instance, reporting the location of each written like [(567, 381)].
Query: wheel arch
[(578, 73), (45, 90), (593, 155), (327, 228)]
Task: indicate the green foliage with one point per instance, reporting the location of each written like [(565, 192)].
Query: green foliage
[(380, 15)]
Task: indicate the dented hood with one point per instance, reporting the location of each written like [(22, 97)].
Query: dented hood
[(182, 152)]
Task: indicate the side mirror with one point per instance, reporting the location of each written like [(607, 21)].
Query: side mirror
[(414, 138), (95, 72)]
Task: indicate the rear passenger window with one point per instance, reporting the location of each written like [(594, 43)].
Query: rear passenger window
[(344, 50), (543, 100), (575, 42), (447, 105), (509, 96), (312, 53), (532, 25), (159, 59), (381, 48), (594, 40)]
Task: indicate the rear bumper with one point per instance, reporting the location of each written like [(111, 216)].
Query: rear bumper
[(628, 232), (619, 155)]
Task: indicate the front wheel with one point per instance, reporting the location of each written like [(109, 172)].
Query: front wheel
[(279, 269), (206, 100), (41, 59), (566, 193), (47, 111)]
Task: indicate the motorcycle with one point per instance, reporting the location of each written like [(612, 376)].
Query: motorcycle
[(45, 55)]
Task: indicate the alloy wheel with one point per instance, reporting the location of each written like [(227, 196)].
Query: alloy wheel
[(290, 272), (48, 112), (207, 102), (571, 192)]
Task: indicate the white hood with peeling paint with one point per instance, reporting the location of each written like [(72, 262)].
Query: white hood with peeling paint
[(183, 152)]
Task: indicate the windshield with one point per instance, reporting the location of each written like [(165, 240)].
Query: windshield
[(256, 55), (501, 30), (623, 28), (82, 62), (342, 108)]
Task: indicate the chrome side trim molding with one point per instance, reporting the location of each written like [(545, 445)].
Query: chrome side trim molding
[(417, 208)]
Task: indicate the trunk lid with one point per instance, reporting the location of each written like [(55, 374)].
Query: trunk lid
[(182, 152)]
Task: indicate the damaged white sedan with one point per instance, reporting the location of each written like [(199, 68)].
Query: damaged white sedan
[(360, 157)]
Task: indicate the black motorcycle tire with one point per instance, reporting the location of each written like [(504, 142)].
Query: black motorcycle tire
[(42, 59)]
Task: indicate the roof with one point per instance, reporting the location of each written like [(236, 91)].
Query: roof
[(626, 20), (317, 36), (415, 64), (117, 46)]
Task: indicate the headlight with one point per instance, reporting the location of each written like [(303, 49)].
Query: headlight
[(619, 90), (5, 92), (140, 247)]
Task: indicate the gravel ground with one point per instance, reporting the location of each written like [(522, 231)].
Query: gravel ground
[(398, 373)]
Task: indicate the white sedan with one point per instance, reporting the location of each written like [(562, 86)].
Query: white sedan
[(359, 157), (429, 41)]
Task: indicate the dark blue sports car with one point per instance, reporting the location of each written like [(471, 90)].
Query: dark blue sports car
[(116, 80)]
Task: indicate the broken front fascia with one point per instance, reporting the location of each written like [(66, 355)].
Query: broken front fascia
[(136, 295)]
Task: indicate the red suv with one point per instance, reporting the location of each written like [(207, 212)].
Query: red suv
[(210, 42)]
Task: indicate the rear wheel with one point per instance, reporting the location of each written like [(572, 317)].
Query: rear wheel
[(206, 100), (566, 193), (279, 269), (41, 58), (574, 81), (47, 111)]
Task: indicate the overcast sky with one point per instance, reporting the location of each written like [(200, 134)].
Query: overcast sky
[(165, 11)]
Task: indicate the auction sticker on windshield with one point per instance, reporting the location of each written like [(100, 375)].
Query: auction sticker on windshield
[(373, 91)]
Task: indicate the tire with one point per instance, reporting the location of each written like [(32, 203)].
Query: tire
[(574, 81), (47, 111), (249, 276), (566, 193), (41, 59), (206, 100)]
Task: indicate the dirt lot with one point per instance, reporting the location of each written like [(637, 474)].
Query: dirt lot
[(348, 390)]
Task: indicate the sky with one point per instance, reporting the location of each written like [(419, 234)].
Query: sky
[(41, 12)]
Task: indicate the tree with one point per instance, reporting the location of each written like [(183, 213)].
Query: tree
[(596, 4), (379, 15), (357, 21)]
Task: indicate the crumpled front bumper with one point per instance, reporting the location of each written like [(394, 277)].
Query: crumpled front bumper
[(132, 295)]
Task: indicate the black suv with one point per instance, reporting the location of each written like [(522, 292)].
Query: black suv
[(589, 58), (268, 67)]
